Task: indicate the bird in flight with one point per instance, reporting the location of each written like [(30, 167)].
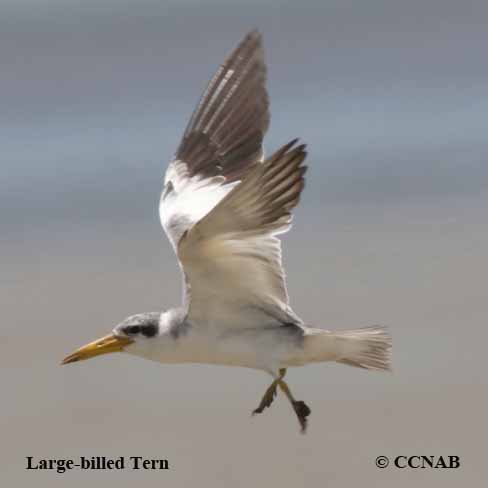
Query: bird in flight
[(223, 206)]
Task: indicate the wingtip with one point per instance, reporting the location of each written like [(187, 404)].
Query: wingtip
[(253, 41), (291, 150), (254, 33), (293, 142), (290, 145)]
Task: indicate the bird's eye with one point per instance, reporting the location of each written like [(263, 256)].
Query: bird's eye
[(132, 329), (149, 330)]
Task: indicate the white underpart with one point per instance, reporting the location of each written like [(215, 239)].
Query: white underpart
[(269, 349)]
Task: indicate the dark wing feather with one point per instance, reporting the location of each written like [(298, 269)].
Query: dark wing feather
[(225, 133), (263, 201)]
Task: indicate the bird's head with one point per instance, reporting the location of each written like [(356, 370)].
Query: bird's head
[(130, 332)]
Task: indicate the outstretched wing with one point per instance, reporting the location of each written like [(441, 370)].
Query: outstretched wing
[(222, 142), (232, 257)]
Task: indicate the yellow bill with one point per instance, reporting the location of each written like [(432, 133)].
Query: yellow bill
[(105, 345)]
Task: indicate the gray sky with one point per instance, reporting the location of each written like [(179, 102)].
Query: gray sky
[(391, 96), (392, 99)]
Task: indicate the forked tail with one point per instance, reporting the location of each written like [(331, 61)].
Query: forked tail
[(368, 347)]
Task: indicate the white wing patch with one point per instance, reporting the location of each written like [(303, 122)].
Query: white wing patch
[(185, 200)]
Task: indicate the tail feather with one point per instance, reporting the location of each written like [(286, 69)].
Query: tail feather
[(368, 348)]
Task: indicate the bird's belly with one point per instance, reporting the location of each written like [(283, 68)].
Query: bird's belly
[(231, 351), (267, 348)]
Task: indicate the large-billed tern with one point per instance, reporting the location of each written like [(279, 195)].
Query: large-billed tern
[(222, 206)]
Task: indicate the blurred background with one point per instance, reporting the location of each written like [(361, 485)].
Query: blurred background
[(392, 98)]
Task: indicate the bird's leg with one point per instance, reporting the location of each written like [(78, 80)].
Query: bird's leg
[(301, 408), (269, 394)]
